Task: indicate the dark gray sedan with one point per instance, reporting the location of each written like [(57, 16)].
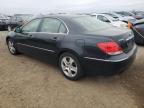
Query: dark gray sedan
[(78, 43)]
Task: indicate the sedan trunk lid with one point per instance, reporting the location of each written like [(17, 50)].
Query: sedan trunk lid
[(124, 37)]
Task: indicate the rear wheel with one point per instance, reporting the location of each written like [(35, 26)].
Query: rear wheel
[(70, 66)]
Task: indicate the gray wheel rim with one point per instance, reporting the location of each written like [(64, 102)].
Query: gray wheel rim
[(9, 28), (69, 66), (11, 47)]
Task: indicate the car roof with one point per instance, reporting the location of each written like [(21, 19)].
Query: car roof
[(62, 16)]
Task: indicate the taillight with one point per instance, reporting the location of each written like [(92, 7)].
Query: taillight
[(111, 48)]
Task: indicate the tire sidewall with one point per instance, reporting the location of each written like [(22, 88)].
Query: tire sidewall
[(79, 72), (9, 28), (10, 40)]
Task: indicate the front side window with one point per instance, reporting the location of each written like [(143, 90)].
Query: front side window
[(50, 25), (62, 29), (31, 26)]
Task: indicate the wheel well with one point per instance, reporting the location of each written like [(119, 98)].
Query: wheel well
[(67, 51), (72, 52)]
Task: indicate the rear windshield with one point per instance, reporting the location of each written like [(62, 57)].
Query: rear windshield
[(91, 23)]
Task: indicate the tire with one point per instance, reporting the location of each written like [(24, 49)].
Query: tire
[(70, 66), (11, 47)]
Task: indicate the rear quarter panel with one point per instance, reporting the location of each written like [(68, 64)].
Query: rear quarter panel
[(73, 43), (91, 49)]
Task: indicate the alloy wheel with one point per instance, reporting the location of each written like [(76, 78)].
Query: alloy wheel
[(69, 66), (11, 47)]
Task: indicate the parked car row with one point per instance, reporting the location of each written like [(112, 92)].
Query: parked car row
[(10, 22), (119, 16), (3, 21), (79, 44), (124, 19), (109, 19), (118, 19)]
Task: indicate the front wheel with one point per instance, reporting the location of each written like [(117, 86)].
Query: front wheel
[(11, 47), (9, 28), (70, 66)]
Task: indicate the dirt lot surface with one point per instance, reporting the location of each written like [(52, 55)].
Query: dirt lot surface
[(26, 82)]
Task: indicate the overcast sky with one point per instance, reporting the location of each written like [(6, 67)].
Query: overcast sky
[(46, 6)]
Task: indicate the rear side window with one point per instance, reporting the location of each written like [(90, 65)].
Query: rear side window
[(50, 25), (90, 23)]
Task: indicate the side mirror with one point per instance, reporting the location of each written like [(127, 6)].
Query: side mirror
[(18, 30)]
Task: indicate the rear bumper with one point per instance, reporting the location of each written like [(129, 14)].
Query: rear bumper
[(110, 66)]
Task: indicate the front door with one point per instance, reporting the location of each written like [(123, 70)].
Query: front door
[(49, 36), (25, 37)]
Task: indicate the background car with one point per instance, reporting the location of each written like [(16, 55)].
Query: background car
[(138, 29), (122, 17), (138, 13), (79, 44), (109, 19), (18, 20), (3, 21), (125, 13)]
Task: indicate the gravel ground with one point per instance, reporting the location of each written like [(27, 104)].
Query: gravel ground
[(26, 82)]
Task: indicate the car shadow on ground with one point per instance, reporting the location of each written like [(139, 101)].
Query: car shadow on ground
[(131, 79)]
